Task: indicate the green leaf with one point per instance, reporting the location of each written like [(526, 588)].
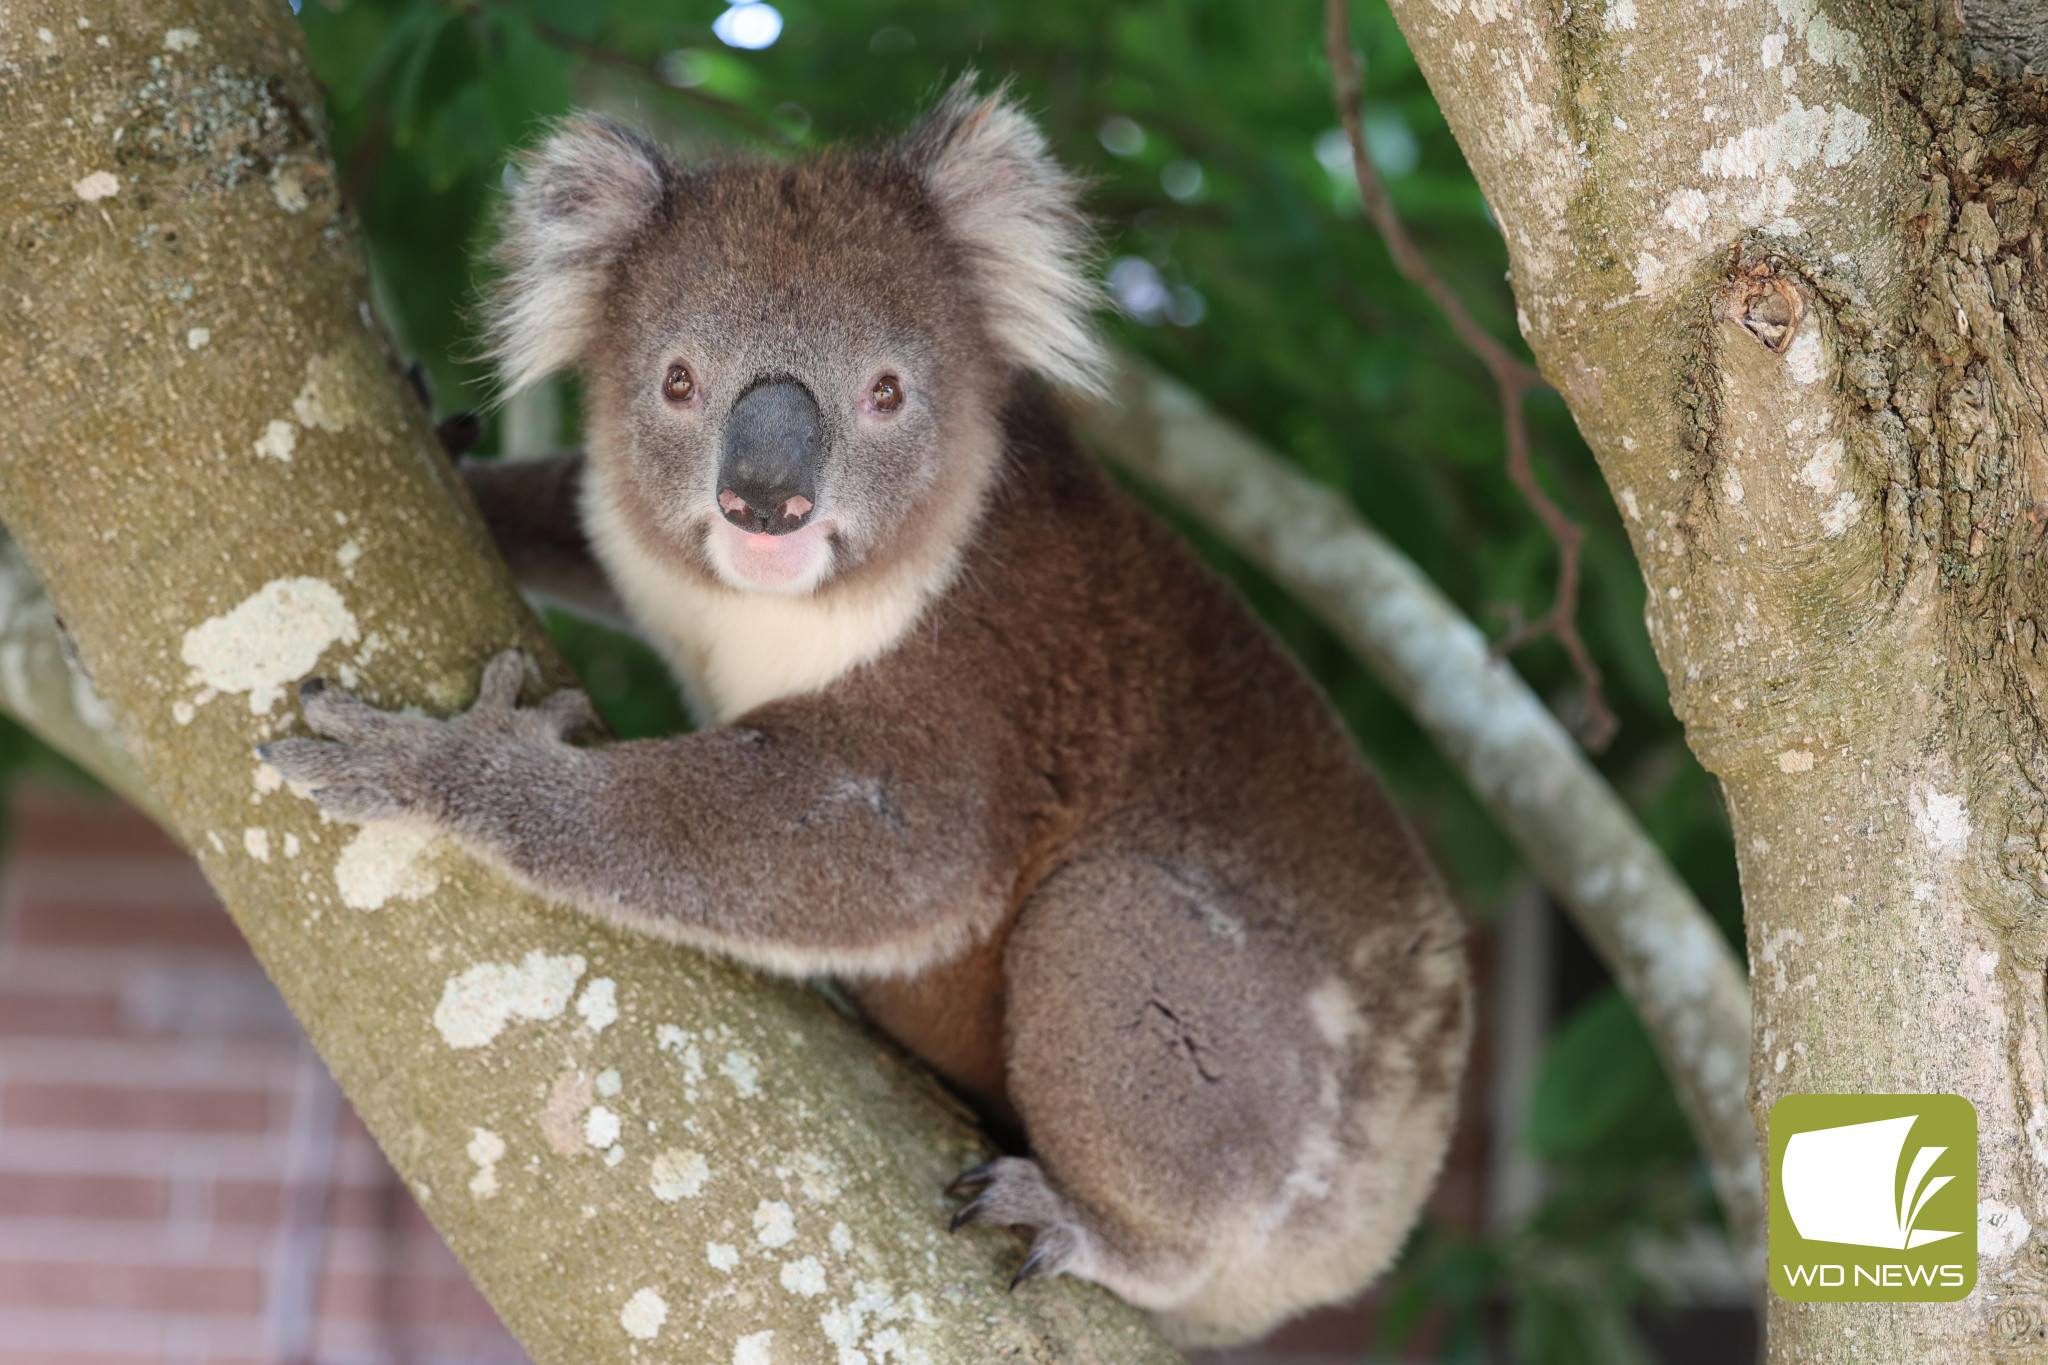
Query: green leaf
[(1602, 1092), (346, 46), (628, 681), (461, 137), (411, 80), (410, 38), (582, 18), (527, 80)]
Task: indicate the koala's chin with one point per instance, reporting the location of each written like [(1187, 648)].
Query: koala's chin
[(979, 736), (790, 565)]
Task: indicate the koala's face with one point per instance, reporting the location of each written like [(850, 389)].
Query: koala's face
[(791, 373), (795, 371)]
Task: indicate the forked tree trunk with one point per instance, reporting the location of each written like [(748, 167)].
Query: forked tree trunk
[(212, 463), (1784, 261)]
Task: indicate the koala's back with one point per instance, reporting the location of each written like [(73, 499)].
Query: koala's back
[(1227, 996)]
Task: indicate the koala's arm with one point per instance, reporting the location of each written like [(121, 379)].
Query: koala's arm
[(531, 507), (808, 840)]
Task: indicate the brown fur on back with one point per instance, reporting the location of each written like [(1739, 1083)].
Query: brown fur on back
[(1111, 653)]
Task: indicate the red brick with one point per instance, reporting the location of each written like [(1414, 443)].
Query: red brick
[(82, 1196), (193, 1289), (387, 1206), (53, 923), (25, 1104), (59, 1016), (416, 1299), (131, 1288), (247, 1201), (384, 1207), (57, 823)]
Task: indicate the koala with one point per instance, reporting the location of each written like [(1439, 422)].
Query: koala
[(979, 738)]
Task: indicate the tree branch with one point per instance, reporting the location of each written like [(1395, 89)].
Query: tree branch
[(1576, 834), (1512, 380), (225, 485), (42, 686)]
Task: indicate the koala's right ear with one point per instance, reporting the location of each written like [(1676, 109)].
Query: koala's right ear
[(577, 203)]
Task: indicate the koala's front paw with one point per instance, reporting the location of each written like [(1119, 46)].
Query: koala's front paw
[(379, 765)]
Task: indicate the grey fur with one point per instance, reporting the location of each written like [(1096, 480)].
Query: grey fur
[(1043, 794)]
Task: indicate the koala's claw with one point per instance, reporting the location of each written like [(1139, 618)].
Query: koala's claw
[(973, 1179), (1046, 1258), (969, 1212), (1007, 1191)]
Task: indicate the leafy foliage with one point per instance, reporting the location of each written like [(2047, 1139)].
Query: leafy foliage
[(1235, 239)]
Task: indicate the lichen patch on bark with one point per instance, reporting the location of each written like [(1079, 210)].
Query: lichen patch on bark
[(477, 1005), (385, 860), (272, 638)]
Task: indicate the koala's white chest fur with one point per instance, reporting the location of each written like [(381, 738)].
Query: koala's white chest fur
[(734, 651)]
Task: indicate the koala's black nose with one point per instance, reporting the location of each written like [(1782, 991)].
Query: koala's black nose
[(768, 479)]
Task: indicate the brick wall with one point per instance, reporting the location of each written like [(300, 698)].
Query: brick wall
[(181, 1183)]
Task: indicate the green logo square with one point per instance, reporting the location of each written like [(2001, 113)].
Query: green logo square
[(1873, 1198)]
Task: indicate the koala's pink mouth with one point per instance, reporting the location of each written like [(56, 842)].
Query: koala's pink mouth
[(792, 563)]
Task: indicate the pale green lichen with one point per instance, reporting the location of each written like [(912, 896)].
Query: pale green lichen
[(599, 1006), (477, 1005), (678, 1174), (387, 860), (272, 638), (643, 1315)]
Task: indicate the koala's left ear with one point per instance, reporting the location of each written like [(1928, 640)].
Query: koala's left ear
[(1015, 212), (579, 201)]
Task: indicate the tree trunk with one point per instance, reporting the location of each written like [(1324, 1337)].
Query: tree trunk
[(213, 465), (1785, 263)]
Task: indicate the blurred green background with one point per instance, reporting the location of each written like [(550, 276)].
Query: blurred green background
[(1235, 243)]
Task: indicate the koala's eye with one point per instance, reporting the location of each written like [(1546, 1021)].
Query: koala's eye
[(887, 394), (679, 386)]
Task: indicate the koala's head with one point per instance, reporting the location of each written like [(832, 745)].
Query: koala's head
[(794, 370)]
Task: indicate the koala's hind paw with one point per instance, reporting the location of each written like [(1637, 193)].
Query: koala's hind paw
[(1011, 1191)]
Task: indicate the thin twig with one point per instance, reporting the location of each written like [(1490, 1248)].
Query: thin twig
[(1512, 378)]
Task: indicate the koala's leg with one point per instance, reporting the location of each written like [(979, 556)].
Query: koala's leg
[(1160, 1057), (531, 507)]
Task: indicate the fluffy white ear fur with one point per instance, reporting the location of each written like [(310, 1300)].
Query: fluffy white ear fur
[(579, 200), (1015, 211)]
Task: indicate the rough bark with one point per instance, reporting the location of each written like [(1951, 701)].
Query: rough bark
[(211, 462), (2012, 35), (1784, 261), (1578, 837)]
